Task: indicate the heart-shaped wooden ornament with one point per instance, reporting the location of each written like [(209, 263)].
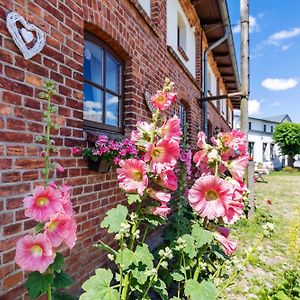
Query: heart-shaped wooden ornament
[(25, 35)]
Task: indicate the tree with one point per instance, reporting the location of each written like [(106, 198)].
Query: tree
[(287, 136)]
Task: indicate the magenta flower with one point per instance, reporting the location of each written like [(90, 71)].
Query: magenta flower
[(162, 210), (60, 168), (34, 253), (43, 204), (228, 246), (61, 228), (132, 175), (163, 155), (171, 129), (162, 100), (208, 196)]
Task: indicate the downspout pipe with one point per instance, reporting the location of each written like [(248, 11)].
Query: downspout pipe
[(205, 71)]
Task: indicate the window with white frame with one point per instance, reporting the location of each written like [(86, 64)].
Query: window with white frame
[(181, 35), (230, 113), (146, 5)]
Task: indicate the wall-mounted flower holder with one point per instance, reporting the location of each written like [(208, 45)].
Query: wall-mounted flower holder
[(101, 166)]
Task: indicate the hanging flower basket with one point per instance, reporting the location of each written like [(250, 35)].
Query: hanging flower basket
[(93, 164)]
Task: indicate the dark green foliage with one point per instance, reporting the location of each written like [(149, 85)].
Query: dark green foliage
[(37, 284)]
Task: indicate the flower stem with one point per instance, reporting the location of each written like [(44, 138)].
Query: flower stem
[(245, 262), (48, 126), (155, 120), (49, 292)]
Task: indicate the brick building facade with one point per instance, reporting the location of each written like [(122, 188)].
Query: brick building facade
[(134, 40)]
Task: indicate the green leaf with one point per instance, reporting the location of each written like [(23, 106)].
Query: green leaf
[(37, 284), (177, 276), (132, 198), (103, 294), (39, 227), (101, 279), (62, 280), (139, 274), (161, 289), (56, 295), (200, 291), (106, 248), (142, 255), (154, 220), (189, 249), (58, 263), (114, 218), (175, 298), (201, 235)]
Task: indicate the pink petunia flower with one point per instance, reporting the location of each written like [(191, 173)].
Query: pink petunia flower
[(162, 100), (208, 196), (162, 210), (168, 179), (164, 154), (159, 196), (228, 246), (76, 151), (171, 129), (61, 228), (43, 204), (34, 253), (132, 175)]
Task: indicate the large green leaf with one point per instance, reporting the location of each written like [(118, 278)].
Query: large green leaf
[(37, 284), (161, 289), (98, 287), (62, 280), (132, 198), (201, 235), (200, 291), (177, 276), (58, 263), (189, 249), (114, 218)]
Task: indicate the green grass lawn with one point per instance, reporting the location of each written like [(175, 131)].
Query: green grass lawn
[(268, 263)]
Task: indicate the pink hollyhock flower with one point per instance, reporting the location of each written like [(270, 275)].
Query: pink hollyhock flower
[(162, 210), (132, 175), (162, 100), (43, 153), (159, 196), (208, 196), (61, 228), (171, 129), (143, 131), (76, 151), (43, 204), (201, 160), (233, 212), (60, 168), (165, 153), (201, 143), (66, 200), (237, 167), (228, 246), (168, 179), (34, 253)]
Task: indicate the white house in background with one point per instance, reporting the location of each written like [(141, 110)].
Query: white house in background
[(260, 143)]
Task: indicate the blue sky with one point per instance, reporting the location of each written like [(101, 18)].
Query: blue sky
[(274, 56)]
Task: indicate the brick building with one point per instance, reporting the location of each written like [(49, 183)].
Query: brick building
[(105, 57)]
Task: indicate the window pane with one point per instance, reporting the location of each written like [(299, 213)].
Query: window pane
[(112, 74), (92, 105), (92, 62), (112, 110)]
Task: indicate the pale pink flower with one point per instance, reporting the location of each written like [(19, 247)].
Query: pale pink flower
[(168, 179), (34, 253), (171, 129), (208, 196), (132, 175), (162, 100), (162, 210), (201, 143), (238, 166), (61, 228), (228, 246), (143, 131), (164, 154), (233, 212), (43, 204), (66, 200), (159, 196), (60, 168)]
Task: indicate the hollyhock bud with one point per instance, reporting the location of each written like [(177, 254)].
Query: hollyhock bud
[(60, 168)]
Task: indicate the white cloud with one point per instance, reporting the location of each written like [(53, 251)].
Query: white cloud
[(285, 47), (283, 35), (112, 100), (253, 26), (110, 115), (279, 84), (91, 104), (253, 107), (275, 104)]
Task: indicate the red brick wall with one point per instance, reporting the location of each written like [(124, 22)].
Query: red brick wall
[(141, 44)]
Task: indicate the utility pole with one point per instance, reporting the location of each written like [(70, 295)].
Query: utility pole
[(244, 121), (244, 65)]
